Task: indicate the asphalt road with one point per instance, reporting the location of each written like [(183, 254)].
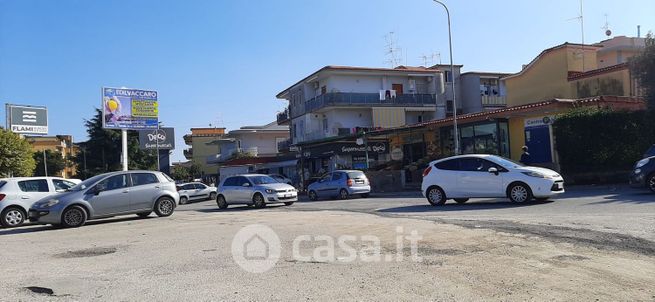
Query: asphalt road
[(613, 217)]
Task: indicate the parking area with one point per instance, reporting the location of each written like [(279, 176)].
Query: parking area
[(591, 243)]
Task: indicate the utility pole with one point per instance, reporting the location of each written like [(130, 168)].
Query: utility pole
[(45, 164)]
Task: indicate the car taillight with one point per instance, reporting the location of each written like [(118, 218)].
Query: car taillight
[(427, 171), (350, 182), (2, 196)]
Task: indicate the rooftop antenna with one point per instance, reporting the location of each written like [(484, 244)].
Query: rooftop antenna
[(580, 18), (608, 32), (428, 60), (393, 53)]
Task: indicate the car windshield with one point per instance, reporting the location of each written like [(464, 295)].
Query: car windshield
[(262, 180), (507, 163), (85, 184)]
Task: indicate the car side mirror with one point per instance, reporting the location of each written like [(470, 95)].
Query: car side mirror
[(493, 170)]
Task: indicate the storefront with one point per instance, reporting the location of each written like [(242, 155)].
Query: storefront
[(486, 137), (327, 157)]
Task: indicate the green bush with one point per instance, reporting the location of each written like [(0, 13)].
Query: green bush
[(602, 140)]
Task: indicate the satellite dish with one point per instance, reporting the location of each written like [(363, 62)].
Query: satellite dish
[(608, 32)]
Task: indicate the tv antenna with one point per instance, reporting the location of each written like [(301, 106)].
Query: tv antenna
[(428, 60), (394, 54), (580, 18), (608, 32)]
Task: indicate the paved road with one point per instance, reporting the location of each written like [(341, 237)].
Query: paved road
[(602, 216)]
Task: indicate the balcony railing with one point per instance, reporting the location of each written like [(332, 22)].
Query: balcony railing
[(283, 117), (494, 100), (363, 99)]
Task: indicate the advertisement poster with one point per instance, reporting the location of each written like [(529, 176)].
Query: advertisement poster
[(26, 119), (129, 109)]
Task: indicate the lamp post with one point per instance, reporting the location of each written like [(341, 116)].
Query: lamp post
[(452, 75)]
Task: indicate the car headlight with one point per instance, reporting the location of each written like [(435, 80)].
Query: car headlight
[(50, 203), (535, 174), (642, 163), (269, 191), (637, 171)]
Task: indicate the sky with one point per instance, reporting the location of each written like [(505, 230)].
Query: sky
[(222, 62)]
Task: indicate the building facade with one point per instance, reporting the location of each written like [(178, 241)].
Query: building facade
[(482, 91), (60, 143), (200, 149)]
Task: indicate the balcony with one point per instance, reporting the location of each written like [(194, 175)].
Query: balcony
[(364, 99), (283, 146), (188, 153), (494, 101), (283, 117)]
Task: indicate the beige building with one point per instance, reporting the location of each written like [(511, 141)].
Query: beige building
[(200, 150), (60, 143)]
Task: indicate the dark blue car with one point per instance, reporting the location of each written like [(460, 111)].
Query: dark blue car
[(643, 174)]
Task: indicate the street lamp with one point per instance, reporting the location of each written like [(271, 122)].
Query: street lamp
[(452, 75)]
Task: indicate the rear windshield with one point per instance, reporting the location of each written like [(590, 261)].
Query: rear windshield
[(356, 174)]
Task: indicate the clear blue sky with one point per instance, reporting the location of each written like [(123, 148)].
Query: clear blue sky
[(224, 61)]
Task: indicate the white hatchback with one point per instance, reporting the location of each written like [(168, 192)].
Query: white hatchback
[(487, 176), (18, 194)]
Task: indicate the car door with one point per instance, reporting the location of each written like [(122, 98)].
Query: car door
[(144, 191), (112, 195), (337, 181), (188, 190), (202, 191), (323, 185), (244, 190), (475, 180), (227, 188), (446, 178), (32, 190)]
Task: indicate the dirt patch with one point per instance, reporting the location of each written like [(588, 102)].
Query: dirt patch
[(92, 252)]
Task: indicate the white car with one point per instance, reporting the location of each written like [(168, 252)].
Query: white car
[(281, 179), (254, 190), (487, 176), (18, 194), (195, 191)]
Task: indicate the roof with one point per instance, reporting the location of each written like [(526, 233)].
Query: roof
[(399, 69), (486, 73), (579, 75), (548, 50)]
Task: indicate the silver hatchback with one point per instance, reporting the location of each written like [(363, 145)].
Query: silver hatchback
[(254, 190), (107, 195)]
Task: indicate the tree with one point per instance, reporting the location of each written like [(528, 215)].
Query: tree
[(195, 170), (643, 69), (180, 173), (102, 152), (54, 160), (15, 155)]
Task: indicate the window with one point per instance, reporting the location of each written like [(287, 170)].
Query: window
[(230, 182), (323, 89), (139, 179), (471, 164), (61, 184), (356, 175), (449, 106), (188, 187), (325, 125), (168, 178), (262, 180), (36, 185), (114, 182), (448, 76), (336, 176), (451, 165), (200, 186), (419, 118), (242, 181)]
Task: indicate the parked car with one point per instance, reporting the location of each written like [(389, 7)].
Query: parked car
[(341, 184), (487, 176), (18, 194), (281, 179), (643, 174), (195, 191), (650, 152), (107, 195), (254, 189)]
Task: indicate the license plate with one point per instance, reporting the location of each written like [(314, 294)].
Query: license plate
[(287, 195)]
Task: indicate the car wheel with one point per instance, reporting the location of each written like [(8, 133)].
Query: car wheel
[(313, 196), (144, 214), (343, 194), (184, 200), (220, 201), (436, 196), (164, 207), (288, 203), (73, 217), (258, 200), (212, 196), (519, 192), (365, 195), (461, 200), (651, 183), (541, 199), (12, 217)]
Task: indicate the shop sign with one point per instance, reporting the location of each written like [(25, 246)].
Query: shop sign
[(539, 122), (346, 149)]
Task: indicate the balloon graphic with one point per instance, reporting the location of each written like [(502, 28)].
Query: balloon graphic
[(113, 105)]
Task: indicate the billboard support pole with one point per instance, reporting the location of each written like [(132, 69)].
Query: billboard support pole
[(157, 143), (124, 143)]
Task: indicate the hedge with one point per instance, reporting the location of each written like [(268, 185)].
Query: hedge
[(602, 140)]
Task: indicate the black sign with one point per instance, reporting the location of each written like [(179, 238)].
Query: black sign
[(28, 119), (165, 137), (346, 149)]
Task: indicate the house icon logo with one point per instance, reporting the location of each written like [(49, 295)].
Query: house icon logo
[(256, 248)]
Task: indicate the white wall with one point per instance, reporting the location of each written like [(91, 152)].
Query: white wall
[(265, 142)]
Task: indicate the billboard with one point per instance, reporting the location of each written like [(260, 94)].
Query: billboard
[(165, 136), (129, 109), (27, 119)]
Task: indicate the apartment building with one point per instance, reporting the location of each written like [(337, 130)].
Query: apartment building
[(200, 149), (60, 143)]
